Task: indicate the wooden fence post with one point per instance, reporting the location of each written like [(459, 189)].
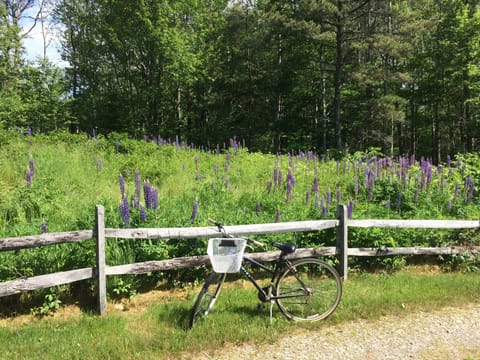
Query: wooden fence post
[(100, 271), (342, 241)]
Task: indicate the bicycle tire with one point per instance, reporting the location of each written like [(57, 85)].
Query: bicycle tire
[(207, 297), (309, 290)]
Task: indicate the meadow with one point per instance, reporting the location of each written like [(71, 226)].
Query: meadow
[(51, 183)]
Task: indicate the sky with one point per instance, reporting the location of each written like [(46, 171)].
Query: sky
[(33, 43)]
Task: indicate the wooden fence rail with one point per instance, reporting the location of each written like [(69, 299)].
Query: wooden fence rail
[(102, 270)]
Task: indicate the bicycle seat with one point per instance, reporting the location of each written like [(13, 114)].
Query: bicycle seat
[(287, 248)]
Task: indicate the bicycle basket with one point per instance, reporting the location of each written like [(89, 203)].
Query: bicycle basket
[(226, 254)]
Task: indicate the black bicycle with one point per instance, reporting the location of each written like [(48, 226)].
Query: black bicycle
[(308, 289)]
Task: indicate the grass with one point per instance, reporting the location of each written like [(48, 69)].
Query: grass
[(160, 330)]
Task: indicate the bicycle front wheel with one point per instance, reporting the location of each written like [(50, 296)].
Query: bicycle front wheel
[(309, 290), (207, 297)]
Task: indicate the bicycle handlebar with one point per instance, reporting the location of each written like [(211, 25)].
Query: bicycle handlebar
[(220, 227)]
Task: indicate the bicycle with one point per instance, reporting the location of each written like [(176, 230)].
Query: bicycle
[(308, 289)]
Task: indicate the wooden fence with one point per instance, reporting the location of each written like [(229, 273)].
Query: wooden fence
[(102, 270)]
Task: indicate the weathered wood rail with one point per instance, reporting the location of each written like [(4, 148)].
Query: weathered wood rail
[(102, 270)]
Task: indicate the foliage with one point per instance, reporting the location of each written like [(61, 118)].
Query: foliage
[(49, 306), (170, 184)]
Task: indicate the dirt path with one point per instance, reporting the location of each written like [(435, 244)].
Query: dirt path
[(452, 333)]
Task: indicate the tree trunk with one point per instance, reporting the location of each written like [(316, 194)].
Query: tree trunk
[(337, 81)]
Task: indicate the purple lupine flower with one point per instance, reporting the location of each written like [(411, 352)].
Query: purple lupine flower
[(471, 191), (278, 214), (455, 196), (28, 178), (275, 173), (324, 208), (350, 209), (307, 197), (125, 211), (258, 208), (449, 160), (154, 198), (355, 186), (315, 185), (29, 131), (44, 227), (339, 195), (194, 211), (147, 193), (399, 201), (121, 182), (329, 197), (143, 213), (415, 197), (31, 166)]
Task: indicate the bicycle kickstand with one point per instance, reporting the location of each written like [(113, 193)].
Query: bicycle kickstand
[(271, 311)]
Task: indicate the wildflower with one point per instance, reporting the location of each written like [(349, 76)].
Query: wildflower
[(355, 185), (28, 177), (121, 182), (324, 209), (194, 211), (339, 196), (147, 193), (277, 216), (315, 185), (143, 213), (329, 197), (154, 198), (125, 211), (31, 166), (44, 227), (350, 209), (307, 197)]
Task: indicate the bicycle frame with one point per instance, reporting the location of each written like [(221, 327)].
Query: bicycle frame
[(273, 271)]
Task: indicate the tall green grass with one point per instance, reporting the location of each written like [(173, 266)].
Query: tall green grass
[(73, 173), (161, 331)]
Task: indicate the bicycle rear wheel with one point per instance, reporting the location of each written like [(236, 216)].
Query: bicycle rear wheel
[(207, 297), (310, 290)]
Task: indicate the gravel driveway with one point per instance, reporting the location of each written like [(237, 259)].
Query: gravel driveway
[(452, 333)]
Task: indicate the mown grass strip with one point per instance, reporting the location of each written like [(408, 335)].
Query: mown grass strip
[(161, 331)]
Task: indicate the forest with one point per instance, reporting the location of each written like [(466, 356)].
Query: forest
[(398, 76)]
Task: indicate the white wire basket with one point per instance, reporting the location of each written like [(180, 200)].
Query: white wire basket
[(226, 254)]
